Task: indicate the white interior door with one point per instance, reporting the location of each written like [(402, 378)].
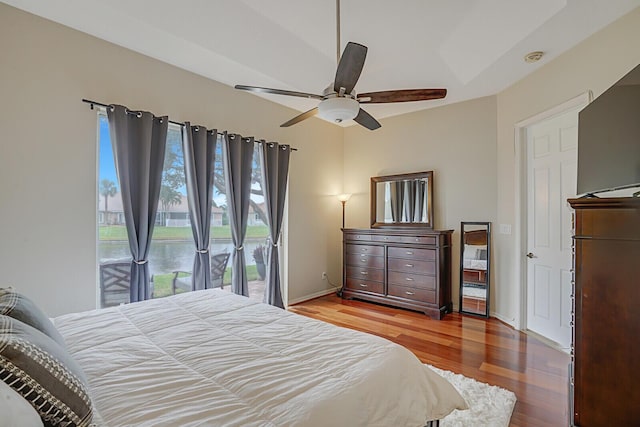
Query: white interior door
[(551, 179)]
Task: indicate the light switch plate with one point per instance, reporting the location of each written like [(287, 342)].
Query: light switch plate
[(505, 228)]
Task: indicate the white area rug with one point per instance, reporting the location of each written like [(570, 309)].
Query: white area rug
[(489, 405)]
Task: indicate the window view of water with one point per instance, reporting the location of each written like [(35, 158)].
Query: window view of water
[(166, 256)]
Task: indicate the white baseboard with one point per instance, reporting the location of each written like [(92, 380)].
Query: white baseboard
[(547, 341), (503, 319), (312, 296)]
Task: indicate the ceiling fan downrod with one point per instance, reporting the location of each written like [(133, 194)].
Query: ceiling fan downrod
[(337, 32)]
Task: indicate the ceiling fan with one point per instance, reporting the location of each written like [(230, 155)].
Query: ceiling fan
[(339, 101)]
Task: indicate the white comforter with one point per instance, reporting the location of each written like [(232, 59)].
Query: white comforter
[(211, 358)]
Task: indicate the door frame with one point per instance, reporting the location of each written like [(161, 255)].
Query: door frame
[(521, 187)]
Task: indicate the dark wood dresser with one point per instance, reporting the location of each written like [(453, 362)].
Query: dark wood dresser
[(403, 268), (606, 350)]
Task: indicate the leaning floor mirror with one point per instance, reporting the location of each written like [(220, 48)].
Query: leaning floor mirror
[(475, 250)]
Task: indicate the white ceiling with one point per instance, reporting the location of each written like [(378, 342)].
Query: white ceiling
[(471, 47)]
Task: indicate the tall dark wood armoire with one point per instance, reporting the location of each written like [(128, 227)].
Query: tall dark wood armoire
[(605, 374)]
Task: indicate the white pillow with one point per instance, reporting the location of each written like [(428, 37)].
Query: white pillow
[(15, 410)]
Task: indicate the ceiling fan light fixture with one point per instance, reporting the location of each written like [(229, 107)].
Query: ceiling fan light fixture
[(338, 109)]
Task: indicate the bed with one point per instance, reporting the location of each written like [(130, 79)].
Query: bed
[(212, 358)]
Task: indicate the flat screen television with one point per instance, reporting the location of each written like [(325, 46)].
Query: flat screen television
[(609, 138)]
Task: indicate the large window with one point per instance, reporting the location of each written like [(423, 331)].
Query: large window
[(172, 248)]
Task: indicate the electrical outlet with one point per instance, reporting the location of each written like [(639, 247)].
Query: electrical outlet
[(324, 275)]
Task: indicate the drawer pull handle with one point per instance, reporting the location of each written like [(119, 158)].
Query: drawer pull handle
[(363, 285), (364, 249), (364, 273), (409, 293), (408, 279), (409, 253), (408, 265)]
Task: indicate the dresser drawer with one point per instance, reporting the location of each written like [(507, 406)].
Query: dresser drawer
[(364, 273), (411, 266), (365, 249), (423, 240), (416, 294), (411, 253), (364, 285), (365, 260), (386, 239), (357, 237), (413, 280)]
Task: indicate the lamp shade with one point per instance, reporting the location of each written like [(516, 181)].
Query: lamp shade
[(344, 197), (338, 109)]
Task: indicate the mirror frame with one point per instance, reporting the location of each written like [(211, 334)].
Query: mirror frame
[(402, 177), (488, 270)]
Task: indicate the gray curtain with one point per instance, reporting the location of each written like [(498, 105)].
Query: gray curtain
[(237, 158), (138, 139), (274, 159), (397, 200), (199, 147), (420, 189), (409, 199)]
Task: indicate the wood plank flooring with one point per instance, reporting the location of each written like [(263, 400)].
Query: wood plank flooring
[(487, 350)]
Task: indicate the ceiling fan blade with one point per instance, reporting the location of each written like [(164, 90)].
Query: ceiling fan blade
[(350, 67), (278, 91), (365, 119), (300, 117), (406, 95)]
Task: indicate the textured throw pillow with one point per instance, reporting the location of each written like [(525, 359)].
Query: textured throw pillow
[(19, 307), (42, 372)]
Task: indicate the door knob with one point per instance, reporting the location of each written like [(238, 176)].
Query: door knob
[(530, 255)]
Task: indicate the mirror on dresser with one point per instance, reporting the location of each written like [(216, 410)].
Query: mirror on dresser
[(402, 201), (475, 260)]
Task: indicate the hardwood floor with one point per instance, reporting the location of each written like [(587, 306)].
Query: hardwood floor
[(486, 350)]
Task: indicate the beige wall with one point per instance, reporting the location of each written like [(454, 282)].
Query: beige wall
[(457, 142), (48, 156), (594, 65)]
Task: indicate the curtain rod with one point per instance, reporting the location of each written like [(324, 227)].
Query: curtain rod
[(100, 104)]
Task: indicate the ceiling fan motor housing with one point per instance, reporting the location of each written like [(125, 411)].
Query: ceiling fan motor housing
[(338, 109)]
